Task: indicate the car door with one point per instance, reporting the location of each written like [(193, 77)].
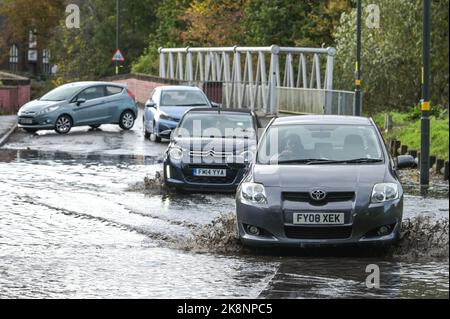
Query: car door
[(93, 110), (115, 102)]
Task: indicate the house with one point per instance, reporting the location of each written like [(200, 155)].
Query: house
[(24, 58)]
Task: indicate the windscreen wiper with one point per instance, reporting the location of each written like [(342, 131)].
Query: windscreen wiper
[(304, 161), (349, 161)]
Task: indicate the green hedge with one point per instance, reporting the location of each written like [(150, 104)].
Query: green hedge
[(407, 130)]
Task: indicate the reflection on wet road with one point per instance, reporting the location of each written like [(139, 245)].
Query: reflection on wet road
[(70, 228)]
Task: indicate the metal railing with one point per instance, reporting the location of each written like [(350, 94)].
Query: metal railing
[(266, 79)]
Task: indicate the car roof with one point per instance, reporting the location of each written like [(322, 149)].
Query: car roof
[(322, 119), (220, 110), (92, 83), (178, 88)]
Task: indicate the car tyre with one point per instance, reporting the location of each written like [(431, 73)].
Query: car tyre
[(146, 133), (126, 121), (154, 136), (94, 127), (63, 124)]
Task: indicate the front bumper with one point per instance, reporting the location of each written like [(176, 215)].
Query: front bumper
[(37, 122), (164, 128), (181, 177), (277, 228)]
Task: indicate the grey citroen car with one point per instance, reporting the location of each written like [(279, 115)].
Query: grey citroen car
[(211, 149), (321, 180), (80, 104)]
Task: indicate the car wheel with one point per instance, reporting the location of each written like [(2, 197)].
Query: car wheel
[(126, 121), (30, 130), (146, 133), (154, 136), (63, 124), (94, 127)]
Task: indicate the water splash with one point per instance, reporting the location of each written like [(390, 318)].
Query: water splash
[(151, 185), (423, 237)]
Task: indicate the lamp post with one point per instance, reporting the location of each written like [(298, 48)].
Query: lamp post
[(425, 105), (117, 30), (358, 100)]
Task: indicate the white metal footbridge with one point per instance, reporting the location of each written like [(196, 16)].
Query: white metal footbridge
[(266, 79)]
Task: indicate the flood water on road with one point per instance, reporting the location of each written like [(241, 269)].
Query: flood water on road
[(73, 224), (69, 228)]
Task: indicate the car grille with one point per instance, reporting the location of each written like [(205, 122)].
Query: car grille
[(211, 153), (319, 232), (232, 173), (331, 197)]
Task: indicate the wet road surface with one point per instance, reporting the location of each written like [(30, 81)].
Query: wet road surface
[(73, 226)]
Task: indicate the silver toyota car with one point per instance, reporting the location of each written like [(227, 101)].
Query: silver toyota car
[(80, 104), (321, 180)]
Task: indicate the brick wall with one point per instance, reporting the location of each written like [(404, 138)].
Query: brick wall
[(13, 97), (141, 85), (141, 89)]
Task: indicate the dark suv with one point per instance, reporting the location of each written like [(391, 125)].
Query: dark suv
[(211, 149)]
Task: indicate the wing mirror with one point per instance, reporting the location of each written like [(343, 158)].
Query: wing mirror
[(150, 104), (405, 161), (80, 101), (216, 105)]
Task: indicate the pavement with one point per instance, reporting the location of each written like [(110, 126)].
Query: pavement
[(8, 124)]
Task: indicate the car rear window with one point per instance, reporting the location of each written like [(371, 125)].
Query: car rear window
[(113, 90)]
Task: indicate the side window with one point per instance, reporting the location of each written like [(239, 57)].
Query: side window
[(113, 90), (91, 93)]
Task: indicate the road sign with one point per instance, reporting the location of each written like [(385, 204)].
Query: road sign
[(118, 56)]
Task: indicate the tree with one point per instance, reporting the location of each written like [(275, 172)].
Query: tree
[(23, 16), (168, 26), (292, 23), (86, 53), (213, 23), (392, 55)]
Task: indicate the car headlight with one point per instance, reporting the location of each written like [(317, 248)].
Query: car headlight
[(384, 192), (253, 194), (48, 110), (176, 153)]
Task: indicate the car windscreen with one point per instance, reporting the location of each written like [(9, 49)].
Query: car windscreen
[(61, 93), (320, 144), (183, 98), (217, 125)]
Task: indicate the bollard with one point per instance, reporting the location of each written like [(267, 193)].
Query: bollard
[(395, 152), (413, 153), (403, 149), (446, 171), (432, 160), (397, 148), (439, 165)]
